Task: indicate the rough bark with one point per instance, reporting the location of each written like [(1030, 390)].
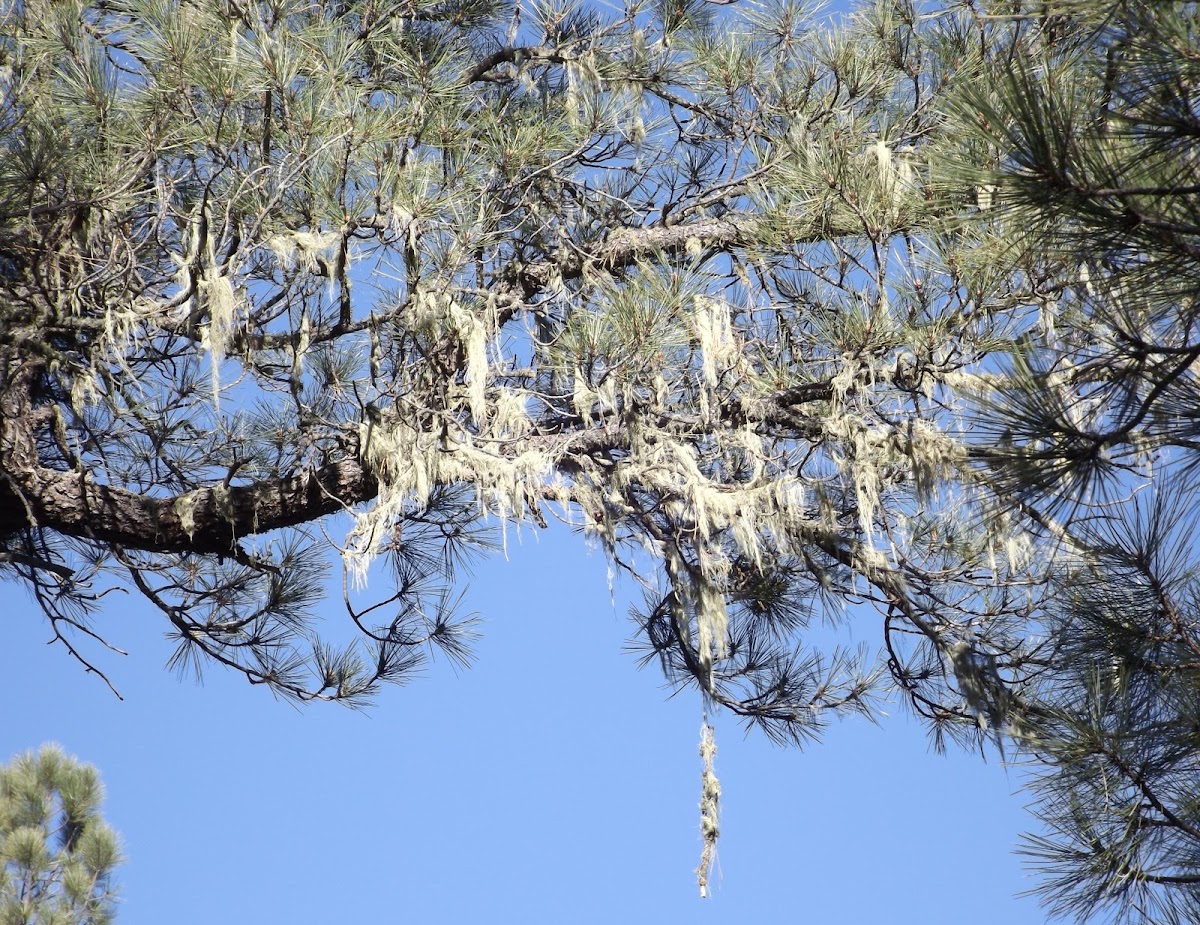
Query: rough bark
[(207, 520)]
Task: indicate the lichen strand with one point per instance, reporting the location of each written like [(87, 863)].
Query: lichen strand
[(473, 335), (719, 350), (310, 251), (710, 806), (185, 509), (695, 593), (218, 300)]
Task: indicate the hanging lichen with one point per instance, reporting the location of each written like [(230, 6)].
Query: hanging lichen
[(310, 251), (473, 335), (185, 509), (217, 299), (695, 594), (710, 806), (718, 347)]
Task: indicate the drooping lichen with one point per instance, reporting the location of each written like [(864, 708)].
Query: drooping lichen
[(184, 507), (710, 806), (310, 251)]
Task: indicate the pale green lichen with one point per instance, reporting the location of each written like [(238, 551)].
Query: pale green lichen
[(719, 349), (473, 336), (710, 807), (934, 457), (303, 342), (483, 437), (712, 623), (184, 507), (310, 251), (583, 396), (409, 462), (886, 172), (218, 300), (698, 592)]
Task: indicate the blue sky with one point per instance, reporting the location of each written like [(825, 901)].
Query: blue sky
[(553, 782)]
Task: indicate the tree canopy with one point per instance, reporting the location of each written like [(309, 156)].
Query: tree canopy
[(785, 315), (56, 853), (427, 267)]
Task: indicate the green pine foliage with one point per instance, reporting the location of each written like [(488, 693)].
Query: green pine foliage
[(57, 855), (1096, 180)]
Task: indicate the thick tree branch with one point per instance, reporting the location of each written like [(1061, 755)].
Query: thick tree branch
[(515, 55), (207, 520), (625, 246)]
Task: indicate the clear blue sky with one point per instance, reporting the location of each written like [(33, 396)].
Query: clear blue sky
[(553, 782)]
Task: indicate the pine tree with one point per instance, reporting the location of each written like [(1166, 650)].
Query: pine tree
[(56, 854), (1095, 136), (728, 290)]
